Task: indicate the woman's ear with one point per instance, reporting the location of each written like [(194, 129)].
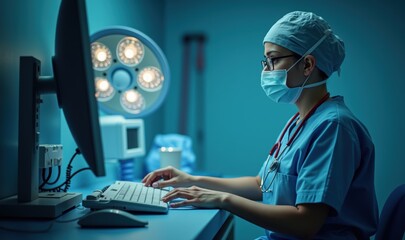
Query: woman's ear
[(309, 65)]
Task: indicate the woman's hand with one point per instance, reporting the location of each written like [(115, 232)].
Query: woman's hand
[(170, 176), (196, 196)]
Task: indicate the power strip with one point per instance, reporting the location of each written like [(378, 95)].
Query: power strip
[(50, 155)]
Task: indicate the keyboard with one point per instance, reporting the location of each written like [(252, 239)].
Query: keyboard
[(129, 196)]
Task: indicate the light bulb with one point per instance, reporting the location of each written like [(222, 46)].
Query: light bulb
[(103, 85), (150, 79), (130, 51), (101, 56), (104, 90), (132, 101), (131, 96)]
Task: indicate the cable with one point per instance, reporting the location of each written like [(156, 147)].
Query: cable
[(45, 179), (67, 185), (69, 171), (69, 176), (57, 178), (74, 155), (49, 177), (58, 188)]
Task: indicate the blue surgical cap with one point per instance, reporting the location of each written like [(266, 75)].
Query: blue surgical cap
[(299, 31)]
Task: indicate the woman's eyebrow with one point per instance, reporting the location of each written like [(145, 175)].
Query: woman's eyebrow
[(270, 52)]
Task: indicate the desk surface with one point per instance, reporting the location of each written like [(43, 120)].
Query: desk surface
[(176, 224)]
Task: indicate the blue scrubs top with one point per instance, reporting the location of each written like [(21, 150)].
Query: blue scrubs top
[(331, 161)]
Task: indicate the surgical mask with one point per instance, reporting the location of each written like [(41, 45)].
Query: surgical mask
[(274, 83)]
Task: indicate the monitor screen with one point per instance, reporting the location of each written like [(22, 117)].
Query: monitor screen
[(73, 72), (132, 138)]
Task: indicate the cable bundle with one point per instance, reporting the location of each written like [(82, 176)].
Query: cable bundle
[(63, 187)]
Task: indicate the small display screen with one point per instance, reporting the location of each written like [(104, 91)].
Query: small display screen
[(132, 138)]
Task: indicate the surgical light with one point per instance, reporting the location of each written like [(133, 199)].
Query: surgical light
[(131, 72)]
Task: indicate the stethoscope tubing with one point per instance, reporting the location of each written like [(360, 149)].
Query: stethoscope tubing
[(275, 150)]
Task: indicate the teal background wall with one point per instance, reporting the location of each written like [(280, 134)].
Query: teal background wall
[(240, 123)]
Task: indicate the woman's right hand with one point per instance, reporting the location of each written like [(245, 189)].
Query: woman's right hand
[(166, 177)]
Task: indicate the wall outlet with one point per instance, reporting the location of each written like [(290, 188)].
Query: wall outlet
[(50, 155)]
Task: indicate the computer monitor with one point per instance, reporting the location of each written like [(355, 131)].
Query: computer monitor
[(73, 84), (74, 75)]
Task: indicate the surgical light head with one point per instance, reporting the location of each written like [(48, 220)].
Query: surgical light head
[(299, 31)]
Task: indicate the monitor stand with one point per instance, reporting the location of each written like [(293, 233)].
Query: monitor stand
[(29, 202), (47, 205)]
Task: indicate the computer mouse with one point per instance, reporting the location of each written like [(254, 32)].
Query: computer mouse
[(114, 218)]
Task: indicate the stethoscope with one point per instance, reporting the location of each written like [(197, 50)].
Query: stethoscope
[(275, 150)]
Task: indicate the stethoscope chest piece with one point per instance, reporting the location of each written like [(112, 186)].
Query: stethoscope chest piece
[(274, 165)]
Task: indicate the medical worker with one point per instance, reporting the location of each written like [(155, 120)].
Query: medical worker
[(318, 180)]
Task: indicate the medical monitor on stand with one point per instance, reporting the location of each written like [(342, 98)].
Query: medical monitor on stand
[(73, 83)]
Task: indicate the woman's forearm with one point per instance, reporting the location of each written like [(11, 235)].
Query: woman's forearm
[(247, 187)]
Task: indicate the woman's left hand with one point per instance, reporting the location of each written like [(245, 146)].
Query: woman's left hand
[(196, 196)]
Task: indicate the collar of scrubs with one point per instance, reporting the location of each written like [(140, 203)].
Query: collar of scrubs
[(277, 146)]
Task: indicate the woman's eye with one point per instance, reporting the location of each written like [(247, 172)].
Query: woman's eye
[(274, 60)]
